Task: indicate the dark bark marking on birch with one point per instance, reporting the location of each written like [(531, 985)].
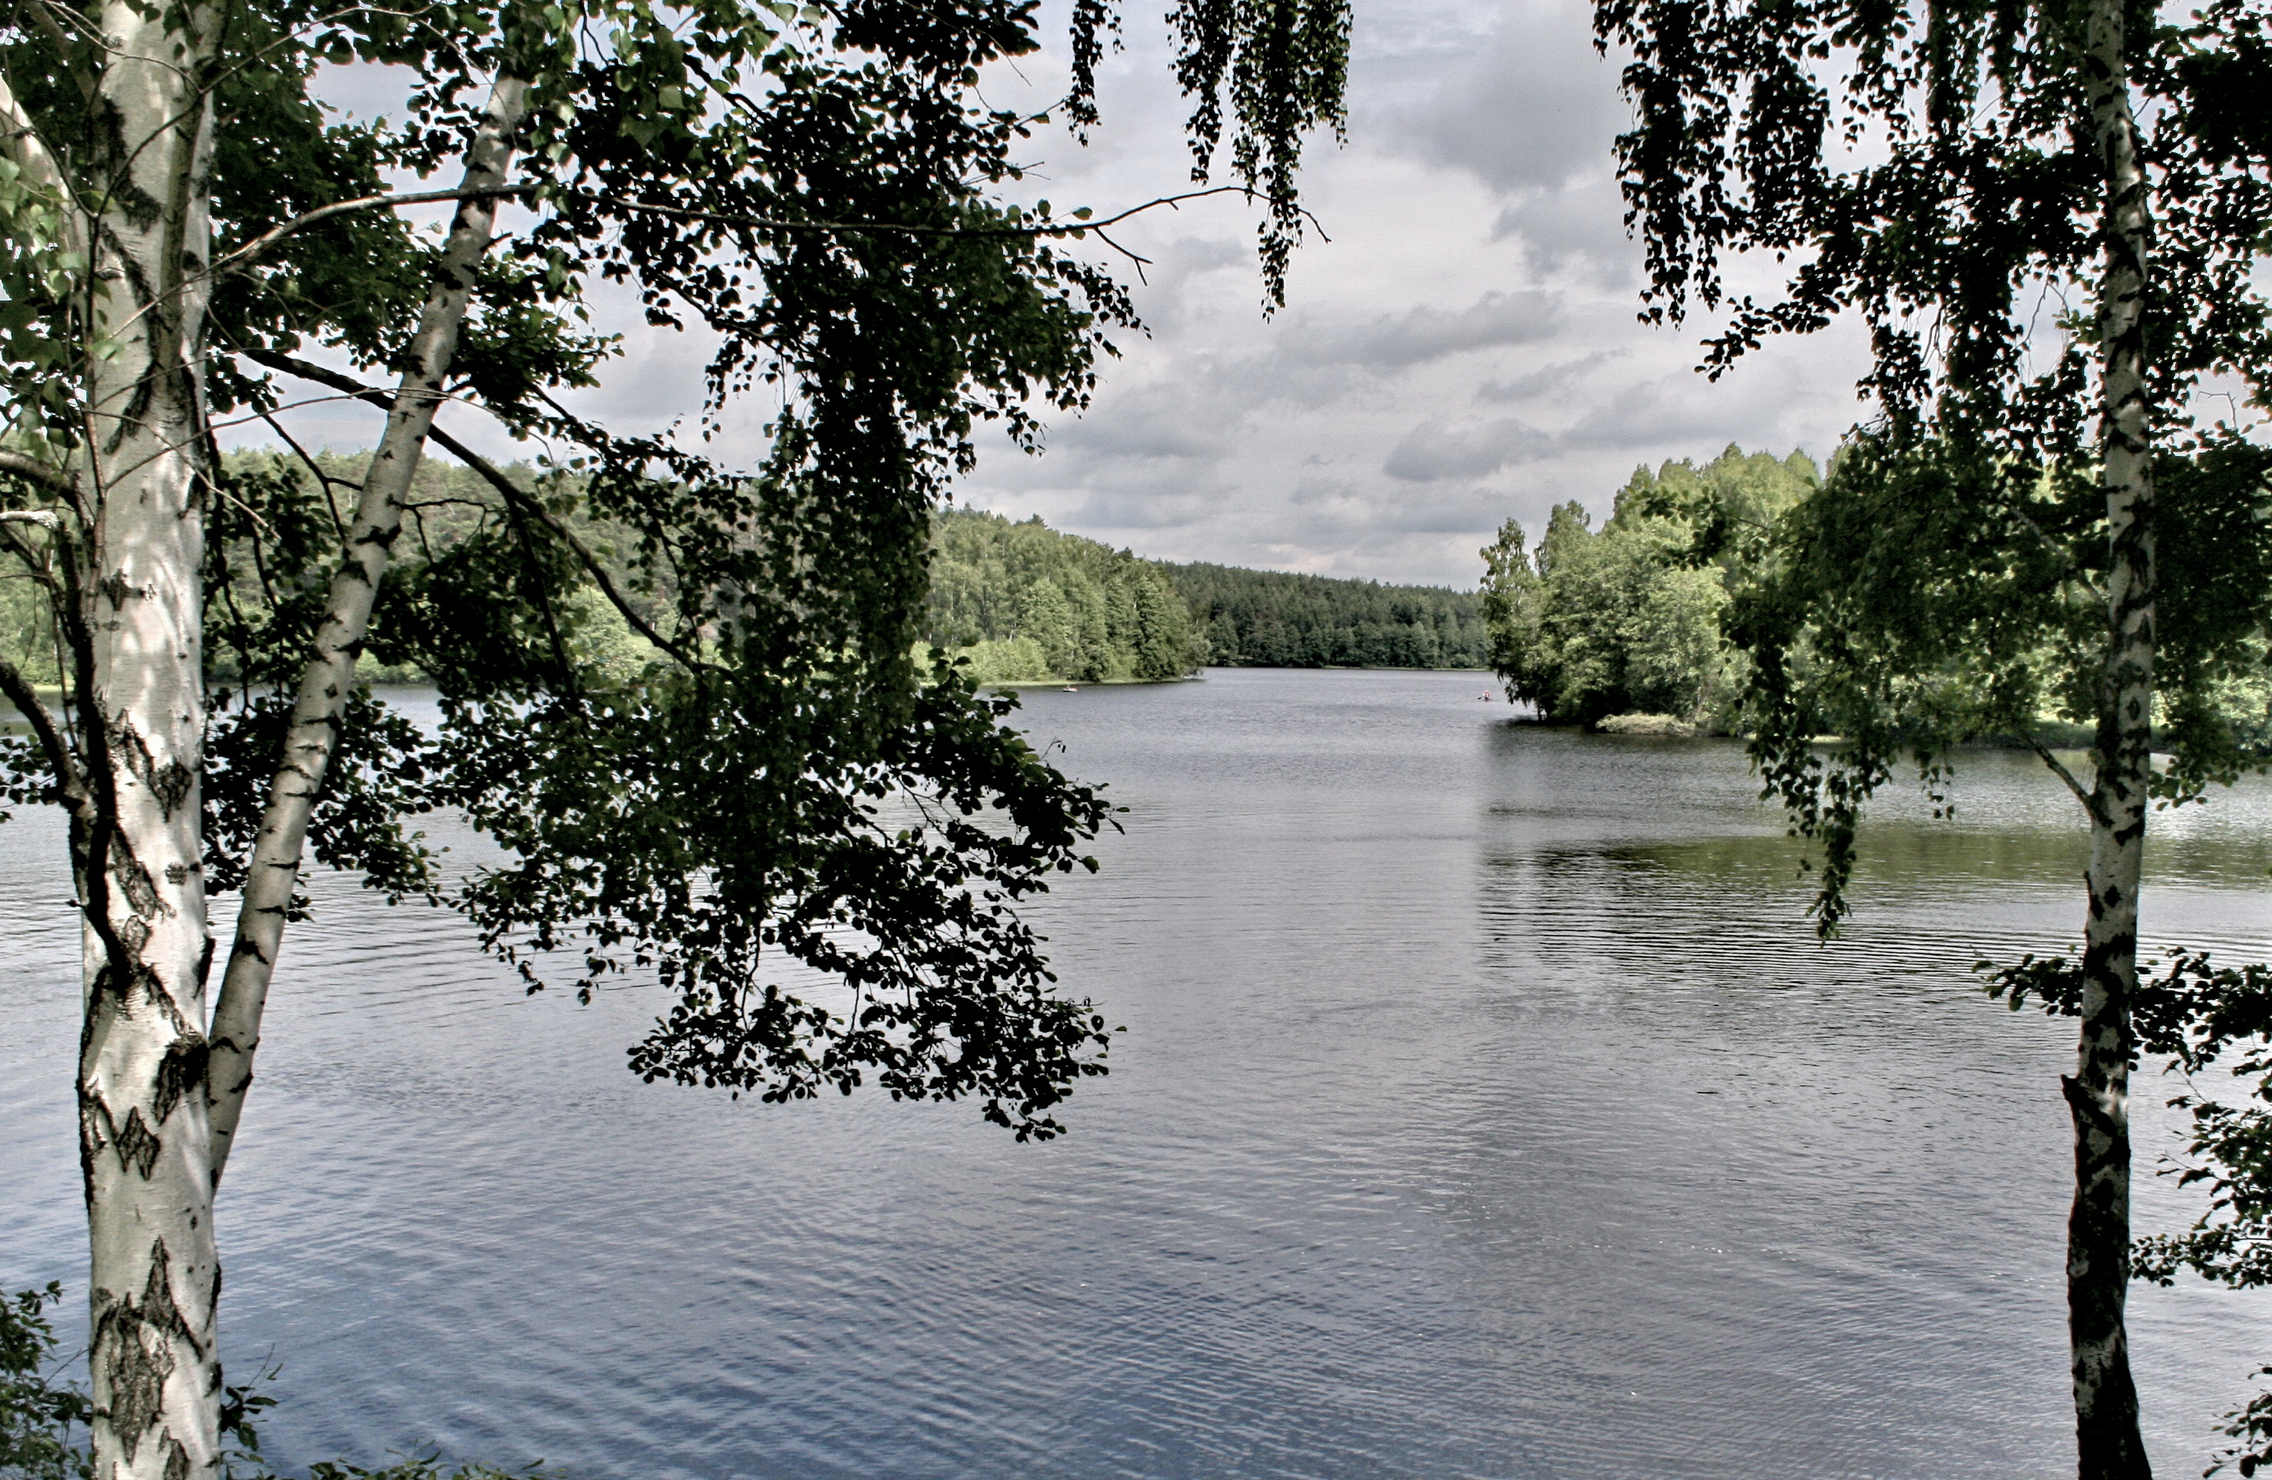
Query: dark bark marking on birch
[(171, 784), (141, 893), (179, 1072), (133, 1344), (137, 1144)]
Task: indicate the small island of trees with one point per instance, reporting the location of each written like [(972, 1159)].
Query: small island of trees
[(1621, 627)]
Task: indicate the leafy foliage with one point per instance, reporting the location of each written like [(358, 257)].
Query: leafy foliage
[(1948, 174), (1945, 569), (1629, 619), (1939, 178), (1280, 619), (688, 699), (37, 1413), (2200, 1016), (1029, 603), (1930, 596), (684, 697)]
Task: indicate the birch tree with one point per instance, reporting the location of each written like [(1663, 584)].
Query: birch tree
[(189, 240), (2057, 244)]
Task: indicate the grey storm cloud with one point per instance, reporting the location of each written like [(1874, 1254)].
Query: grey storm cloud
[(1421, 335), (1436, 449), (1685, 410), (1162, 299), (1534, 113), (1578, 228), (1162, 420), (1553, 380)]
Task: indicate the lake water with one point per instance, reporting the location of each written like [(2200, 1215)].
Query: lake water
[(1486, 1108)]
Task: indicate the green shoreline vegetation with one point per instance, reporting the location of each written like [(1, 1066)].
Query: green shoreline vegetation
[(1622, 628), (1639, 627), (1024, 603), (1021, 602)]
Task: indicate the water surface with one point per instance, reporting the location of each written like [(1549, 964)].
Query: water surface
[(1486, 1108)]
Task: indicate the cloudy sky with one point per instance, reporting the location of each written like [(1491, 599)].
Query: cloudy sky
[(1463, 350)]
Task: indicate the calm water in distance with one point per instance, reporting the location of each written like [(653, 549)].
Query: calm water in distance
[(1485, 1108)]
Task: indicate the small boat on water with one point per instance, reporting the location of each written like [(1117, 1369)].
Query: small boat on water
[(1072, 688)]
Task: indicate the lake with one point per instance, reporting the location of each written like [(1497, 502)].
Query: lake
[(1486, 1108)]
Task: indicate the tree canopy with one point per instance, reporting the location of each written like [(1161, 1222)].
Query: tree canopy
[(1023, 602), (2049, 217), (1285, 619), (1628, 619), (191, 239)]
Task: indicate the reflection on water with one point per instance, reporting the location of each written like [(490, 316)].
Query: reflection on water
[(1487, 1108)]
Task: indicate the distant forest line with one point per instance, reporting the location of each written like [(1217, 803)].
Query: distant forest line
[(1024, 602), (1027, 603)]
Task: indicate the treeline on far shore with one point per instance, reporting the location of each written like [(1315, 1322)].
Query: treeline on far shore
[(1026, 603), (1021, 601), (1277, 619)]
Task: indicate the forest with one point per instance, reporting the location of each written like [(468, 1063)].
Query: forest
[(1023, 603), (1622, 627), (1027, 604), (1278, 619)]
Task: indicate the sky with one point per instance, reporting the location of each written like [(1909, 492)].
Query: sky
[(1463, 350)]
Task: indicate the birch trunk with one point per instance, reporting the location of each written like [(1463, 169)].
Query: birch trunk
[(2098, 1229), (320, 704), (144, 1146)]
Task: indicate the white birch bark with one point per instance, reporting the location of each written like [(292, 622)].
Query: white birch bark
[(320, 704), (2098, 1231), (144, 1140)]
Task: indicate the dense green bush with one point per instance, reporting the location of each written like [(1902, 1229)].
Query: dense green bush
[(39, 1415)]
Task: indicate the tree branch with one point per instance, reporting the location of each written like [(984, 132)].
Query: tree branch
[(70, 785), (495, 477), (229, 261), (1051, 228), (243, 255), (315, 732), (324, 480), (32, 470), (2059, 769)]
